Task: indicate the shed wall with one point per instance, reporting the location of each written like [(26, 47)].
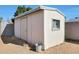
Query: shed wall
[(35, 27), (23, 28), (30, 27), (17, 28), (51, 37)]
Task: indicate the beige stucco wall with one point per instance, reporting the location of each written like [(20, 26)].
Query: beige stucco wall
[(6, 28), (72, 30), (2, 26), (35, 27), (53, 38)]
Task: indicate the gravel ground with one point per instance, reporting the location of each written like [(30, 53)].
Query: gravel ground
[(12, 47)]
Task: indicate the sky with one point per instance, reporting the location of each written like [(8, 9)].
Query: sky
[(70, 11)]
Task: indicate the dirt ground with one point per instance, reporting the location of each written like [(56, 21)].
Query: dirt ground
[(12, 45)]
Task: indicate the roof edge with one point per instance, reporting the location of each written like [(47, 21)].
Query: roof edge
[(50, 8), (38, 8)]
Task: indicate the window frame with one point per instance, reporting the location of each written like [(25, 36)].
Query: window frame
[(55, 27)]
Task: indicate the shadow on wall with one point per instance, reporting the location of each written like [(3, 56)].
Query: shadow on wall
[(8, 30), (7, 36)]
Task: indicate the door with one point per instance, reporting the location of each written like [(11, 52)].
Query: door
[(23, 29), (17, 28)]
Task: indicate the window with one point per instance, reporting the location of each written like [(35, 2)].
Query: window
[(55, 24)]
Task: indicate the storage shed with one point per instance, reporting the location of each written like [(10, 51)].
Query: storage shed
[(43, 25), (72, 29)]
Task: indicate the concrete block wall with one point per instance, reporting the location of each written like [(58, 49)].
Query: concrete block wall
[(6, 28)]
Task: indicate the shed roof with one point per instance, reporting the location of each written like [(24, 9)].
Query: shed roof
[(38, 8)]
